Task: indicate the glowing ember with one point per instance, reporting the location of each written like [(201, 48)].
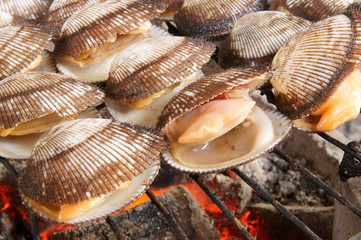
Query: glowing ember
[(52, 229)]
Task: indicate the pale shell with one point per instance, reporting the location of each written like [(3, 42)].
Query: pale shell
[(212, 19), (256, 37), (82, 159), (310, 66)]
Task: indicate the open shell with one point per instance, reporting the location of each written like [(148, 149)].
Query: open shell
[(315, 10), (212, 19), (83, 159), (256, 37), (20, 47), (228, 145), (33, 10), (311, 66), (99, 22), (29, 96)]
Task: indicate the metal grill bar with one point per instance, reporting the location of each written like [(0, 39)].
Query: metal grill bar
[(173, 224), (339, 144), (227, 212), (115, 228), (318, 182), (268, 197)]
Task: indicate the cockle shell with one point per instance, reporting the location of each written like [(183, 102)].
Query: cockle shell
[(228, 146), (212, 19), (84, 159), (29, 96), (20, 46), (256, 37), (33, 10), (315, 10), (310, 66), (151, 65), (95, 24)]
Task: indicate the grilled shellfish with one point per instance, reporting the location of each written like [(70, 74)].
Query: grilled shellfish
[(21, 48), (149, 71), (256, 37), (213, 124), (85, 169), (34, 101), (317, 78), (212, 19)]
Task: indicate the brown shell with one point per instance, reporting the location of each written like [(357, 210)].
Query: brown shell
[(314, 62), (171, 4), (33, 10), (207, 88), (212, 19), (86, 158), (93, 25), (256, 37), (151, 65), (61, 10), (19, 47), (28, 96), (315, 10)]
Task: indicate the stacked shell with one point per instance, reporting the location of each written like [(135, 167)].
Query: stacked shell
[(213, 19), (85, 169), (213, 124), (91, 36), (35, 101), (256, 37), (317, 76), (147, 74)]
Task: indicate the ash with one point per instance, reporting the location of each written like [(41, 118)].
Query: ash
[(287, 185)]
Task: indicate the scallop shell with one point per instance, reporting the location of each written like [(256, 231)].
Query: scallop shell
[(203, 91), (33, 10), (171, 8), (151, 65), (207, 88), (19, 47), (256, 37), (315, 10), (82, 159), (95, 24), (28, 96), (61, 10), (212, 19), (18, 147), (310, 66)]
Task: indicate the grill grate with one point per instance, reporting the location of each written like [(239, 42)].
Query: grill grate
[(241, 227)]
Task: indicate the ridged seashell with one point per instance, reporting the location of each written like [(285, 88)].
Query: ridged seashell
[(89, 161), (256, 37), (99, 71), (5, 19), (315, 63), (251, 134), (152, 65), (27, 97), (315, 10), (96, 24), (61, 10), (171, 7), (212, 19), (33, 10), (21, 48)]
